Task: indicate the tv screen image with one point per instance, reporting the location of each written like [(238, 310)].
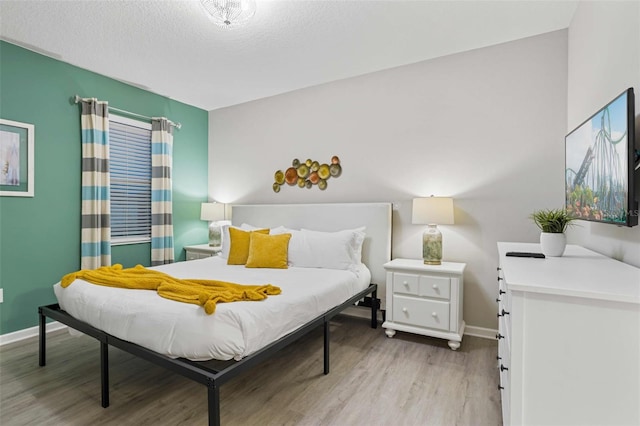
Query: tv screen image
[(599, 165)]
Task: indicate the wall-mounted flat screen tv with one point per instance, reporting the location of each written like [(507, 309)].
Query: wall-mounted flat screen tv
[(599, 165)]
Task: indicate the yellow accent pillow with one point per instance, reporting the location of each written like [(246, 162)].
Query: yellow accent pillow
[(239, 247), (268, 251)]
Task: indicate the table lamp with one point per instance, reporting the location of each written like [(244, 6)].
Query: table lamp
[(432, 211), (213, 212)]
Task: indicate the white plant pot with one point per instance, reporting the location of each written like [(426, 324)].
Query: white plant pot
[(552, 245)]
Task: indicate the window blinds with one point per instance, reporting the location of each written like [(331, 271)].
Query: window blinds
[(130, 169)]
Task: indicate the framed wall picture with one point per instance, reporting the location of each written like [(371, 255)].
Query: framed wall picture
[(16, 158)]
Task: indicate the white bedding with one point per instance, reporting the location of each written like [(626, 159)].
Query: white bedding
[(235, 330)]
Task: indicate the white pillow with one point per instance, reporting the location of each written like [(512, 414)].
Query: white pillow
[(358, 241), (299, 251), (330, 250), (280, 230), (226, 239)]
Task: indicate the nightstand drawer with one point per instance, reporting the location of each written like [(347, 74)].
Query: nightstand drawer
[(430, 286), (200, 251), (193, 256), (405, 283), (422, 285), (421, 312)]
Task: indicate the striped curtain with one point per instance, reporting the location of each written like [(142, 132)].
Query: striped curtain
[(95, 248), (161, 204)]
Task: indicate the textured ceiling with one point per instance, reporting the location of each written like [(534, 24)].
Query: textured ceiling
[(172, 48)]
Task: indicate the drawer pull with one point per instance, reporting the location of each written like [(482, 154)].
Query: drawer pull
[(501, 292), (498, 269), (434, 314), (499, 336), (500, 387), (503, 313), (405, 310), (406, 283), (500, 278), (435, 286), (498, 300), (502, 367), (498, 357)]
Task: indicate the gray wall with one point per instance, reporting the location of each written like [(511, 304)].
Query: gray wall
[(604, 60), (485, 127)]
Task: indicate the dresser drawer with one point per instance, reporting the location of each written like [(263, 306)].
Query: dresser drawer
[(504, 360), (422, 285), (421, 312)]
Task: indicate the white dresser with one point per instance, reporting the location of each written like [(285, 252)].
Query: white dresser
[(425, 299), (569, 338), (201, 251)]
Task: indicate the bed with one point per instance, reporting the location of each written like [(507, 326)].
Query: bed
[(234, 338)]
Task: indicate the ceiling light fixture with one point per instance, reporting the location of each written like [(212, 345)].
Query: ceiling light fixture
[(229, 13)]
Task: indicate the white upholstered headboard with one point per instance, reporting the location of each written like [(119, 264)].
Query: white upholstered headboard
[(376, 250)]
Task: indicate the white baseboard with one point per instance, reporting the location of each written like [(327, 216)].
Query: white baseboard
[(361, 312), (27, 333), (469, 330), (485, 333)]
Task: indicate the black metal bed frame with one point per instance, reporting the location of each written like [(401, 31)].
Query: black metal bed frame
[(211, 373)]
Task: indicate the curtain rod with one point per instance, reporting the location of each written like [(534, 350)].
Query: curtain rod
[(77, 99)]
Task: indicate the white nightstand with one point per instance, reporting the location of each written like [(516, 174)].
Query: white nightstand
[(425, 299), (201, 251)]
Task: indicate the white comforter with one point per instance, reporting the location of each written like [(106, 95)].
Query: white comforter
[(235, 330)]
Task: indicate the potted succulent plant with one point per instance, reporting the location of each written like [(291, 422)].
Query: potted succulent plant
[(553, 223)]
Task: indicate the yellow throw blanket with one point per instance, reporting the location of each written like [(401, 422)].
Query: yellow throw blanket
[(205, 293)]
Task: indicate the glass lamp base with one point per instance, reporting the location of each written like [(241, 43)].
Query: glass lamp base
[(215, 235), (432, 246)]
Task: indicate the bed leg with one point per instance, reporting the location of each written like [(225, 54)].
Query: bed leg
[(374, 309), (104, 373), (42, 353), (326, 347), (213, 401)]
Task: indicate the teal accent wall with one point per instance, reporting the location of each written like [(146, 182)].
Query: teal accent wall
[(40, 236)]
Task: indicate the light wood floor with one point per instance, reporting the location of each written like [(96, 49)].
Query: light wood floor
[(374, 380)]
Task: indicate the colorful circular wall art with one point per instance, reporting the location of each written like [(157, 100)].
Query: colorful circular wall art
[(307, 174)]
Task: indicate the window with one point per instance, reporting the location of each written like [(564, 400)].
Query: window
[(130, 172)]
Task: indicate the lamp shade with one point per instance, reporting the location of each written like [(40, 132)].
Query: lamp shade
[(212, 211), (432, 210)]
